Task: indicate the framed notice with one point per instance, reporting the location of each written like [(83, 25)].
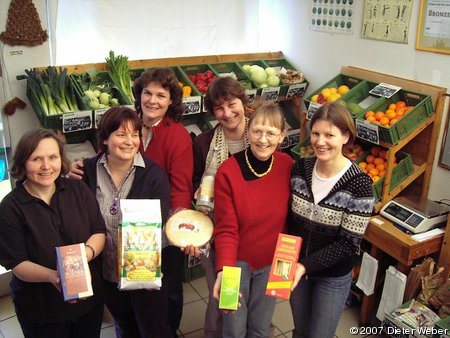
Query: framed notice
[(433, 31)]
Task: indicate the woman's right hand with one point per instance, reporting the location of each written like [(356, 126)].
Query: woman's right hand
[(76, 171), (216, 292), (53, 278)]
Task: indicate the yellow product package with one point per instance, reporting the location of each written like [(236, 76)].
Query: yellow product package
[(139, 243)]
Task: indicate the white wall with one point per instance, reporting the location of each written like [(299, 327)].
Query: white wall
[(321, 55)]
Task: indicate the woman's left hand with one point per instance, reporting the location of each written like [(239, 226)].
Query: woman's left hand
[(191, 250), (299, 272)]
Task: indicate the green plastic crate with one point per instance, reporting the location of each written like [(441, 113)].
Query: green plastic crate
[(194, 69), (360, 94), (335, 82), (228, 67), (260, 63), (401, 171), (193, 103), (295, 151), (287, 90), (423, 109)]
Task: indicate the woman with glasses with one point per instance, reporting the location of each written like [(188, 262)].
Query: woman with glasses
[(251, 204), (331, 203)]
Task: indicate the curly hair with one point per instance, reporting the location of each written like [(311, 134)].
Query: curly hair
[(223, 89), (168, 80)]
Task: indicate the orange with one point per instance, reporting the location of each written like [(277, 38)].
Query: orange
[(380, 167), (391, 114), (369, 113), (409, 108), (392, 106), (369, 167), (383, 154), (375, 150), (362, 165), (400, 109), (375, 178), (401, 104), (384, 121), (371, 119), (382, 173), (370, 158), (378, 160), (373, 172), (393, 121), (379, 115)]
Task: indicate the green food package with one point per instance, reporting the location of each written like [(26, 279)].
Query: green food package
[(229, 289)]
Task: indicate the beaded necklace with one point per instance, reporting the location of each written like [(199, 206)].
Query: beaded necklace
[(253, 170)]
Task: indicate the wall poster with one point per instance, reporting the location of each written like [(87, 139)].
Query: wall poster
[(387, 20), (332, 16), (433, 31)]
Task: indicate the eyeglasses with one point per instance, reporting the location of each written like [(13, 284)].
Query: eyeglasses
[(258, 134)]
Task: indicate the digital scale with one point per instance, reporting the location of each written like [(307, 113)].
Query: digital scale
[(416, 216)]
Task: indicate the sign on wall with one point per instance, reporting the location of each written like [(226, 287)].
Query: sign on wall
[(332, 16)]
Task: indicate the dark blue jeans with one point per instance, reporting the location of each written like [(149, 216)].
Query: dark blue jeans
[(86, 326), (317, 304)]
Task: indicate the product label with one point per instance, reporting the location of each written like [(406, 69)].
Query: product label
[(229, 289)]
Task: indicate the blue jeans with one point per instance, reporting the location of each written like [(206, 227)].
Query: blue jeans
[(317, 304), (253, 318)]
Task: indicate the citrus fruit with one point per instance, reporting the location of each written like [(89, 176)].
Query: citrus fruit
[(400, 104), (314, 98), (392, 106), (375, 178), (373, 172), (375, 150), (369, 113), (383, 154), (343, 89), (378, 115), (362, 165), (378, 160), (370, 158), (326, 92)]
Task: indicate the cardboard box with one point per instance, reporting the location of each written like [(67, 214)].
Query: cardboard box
[(283, 267), (229, 289), (74, 271)]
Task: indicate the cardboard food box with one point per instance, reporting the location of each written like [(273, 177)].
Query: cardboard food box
[(74, 271), (283, 267), (229, 289)]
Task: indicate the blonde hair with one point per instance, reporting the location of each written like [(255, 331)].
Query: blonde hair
[(268, 113)]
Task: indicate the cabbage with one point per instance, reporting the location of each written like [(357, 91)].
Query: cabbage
[(270, 71), (263, 85), (97, 93), (104, 98), (273, 81), (256, 68), (246, 68), (259, 76)]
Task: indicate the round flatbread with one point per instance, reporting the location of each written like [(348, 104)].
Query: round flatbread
[(189, 227)]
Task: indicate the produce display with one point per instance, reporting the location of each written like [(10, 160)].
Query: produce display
[(352, 152), (202, 80), (51, 90), (375, 163), (291, 76), (390, 116), (262, 77), (187, 90), (246, 84), (120, 74), (96, 89), (330, 94)]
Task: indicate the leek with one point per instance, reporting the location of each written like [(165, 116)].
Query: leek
[(120, 74)]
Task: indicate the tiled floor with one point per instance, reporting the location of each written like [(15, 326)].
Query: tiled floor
[(195, 297)]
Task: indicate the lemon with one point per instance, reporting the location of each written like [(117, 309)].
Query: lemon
[(314, 98), (333, 90), (326, 92), (333, 97), (343, 89)]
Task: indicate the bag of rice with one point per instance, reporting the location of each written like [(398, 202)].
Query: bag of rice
[(139, 243)]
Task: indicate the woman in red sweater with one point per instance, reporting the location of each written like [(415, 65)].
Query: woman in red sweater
[(251, 205), (166, 141)]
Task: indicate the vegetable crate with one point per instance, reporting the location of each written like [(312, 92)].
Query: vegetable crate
[(192, 103), (360, 96), (287, 90), (335, 82), (47, 121), (423, 108), (401, 171), (260, 63)]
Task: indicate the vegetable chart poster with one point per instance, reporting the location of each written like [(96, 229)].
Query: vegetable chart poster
[(387, 20), (332, 16)]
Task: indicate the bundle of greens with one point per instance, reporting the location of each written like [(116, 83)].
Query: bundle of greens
[(120, 74), (97, 89), (51, 90)]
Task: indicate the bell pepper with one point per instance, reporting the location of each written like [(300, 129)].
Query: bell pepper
[(187, 90)]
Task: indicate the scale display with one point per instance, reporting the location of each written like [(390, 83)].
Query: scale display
[(413, 219)]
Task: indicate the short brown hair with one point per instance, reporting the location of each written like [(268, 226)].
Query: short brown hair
[(168, 80), (268, 112), (27, 145), (112, 119), (223, 89), (339, 116)]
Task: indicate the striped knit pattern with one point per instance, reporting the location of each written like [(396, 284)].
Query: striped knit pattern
[(333, 229)]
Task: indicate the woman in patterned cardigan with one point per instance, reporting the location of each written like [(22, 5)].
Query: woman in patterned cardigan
[(331, 203)]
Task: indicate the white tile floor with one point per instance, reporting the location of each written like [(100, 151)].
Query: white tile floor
[(195, 298)]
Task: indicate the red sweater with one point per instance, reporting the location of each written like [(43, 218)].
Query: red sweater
[(171, 149), (249, 215)]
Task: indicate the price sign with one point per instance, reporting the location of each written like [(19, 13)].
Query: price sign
[(313, 106), (251, 95), (297, 89), (385, 90), (80, 120), (97, 115), (367, 131), (270, 93), (192, 105)]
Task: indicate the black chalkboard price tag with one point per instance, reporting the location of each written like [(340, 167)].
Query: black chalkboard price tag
[(296, 90), (98, 113), (367, 131), (313, 106), (80, 120), (251, 95), (192, 105), (270, 93)]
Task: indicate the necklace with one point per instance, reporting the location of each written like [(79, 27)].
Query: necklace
[(253, 170), (145, 126)]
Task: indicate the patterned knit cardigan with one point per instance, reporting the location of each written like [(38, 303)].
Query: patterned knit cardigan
[(332, 230)]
